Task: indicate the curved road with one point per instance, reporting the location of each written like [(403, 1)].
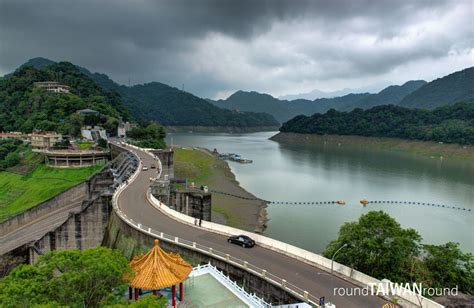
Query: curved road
[(133, 202)]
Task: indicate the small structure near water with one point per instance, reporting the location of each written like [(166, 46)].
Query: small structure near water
[(235, 157)]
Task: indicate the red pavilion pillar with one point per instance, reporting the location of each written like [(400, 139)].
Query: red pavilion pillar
[(154, 292), (181, 295), (173, 296), (136, 294), (130, 293)]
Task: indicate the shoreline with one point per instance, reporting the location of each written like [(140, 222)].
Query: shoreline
[(434, 150), (241, 213), (219, 129)]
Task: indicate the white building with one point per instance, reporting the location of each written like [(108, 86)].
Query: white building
[(123, 128), (93, 133), (52, 86)]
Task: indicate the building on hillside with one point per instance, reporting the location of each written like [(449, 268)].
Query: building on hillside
[(14, 135), (124, 127), (93, 133), (38, 141), (43, 141), (52, 86), (87, 111)]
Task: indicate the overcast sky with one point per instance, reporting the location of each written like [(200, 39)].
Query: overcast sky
[(215, 47)]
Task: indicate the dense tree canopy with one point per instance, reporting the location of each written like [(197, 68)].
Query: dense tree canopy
[(9, 153), (151, 136), (77, 278), (378, 246), (25, 108), (450, 124)]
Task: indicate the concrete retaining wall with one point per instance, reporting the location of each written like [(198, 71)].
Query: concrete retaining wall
[(408, 299), (67, 200)]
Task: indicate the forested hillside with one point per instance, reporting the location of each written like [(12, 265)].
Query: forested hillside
[(25, 108), (450, 124), (167, 105), (171, 106), (456, 87), (284, 110)]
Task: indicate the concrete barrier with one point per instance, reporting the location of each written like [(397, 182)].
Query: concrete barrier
[(409, 298)]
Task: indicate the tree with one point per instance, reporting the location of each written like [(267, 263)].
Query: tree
[(90, 277), (151, 136), (377, 246), (102, 143), (450, 267)]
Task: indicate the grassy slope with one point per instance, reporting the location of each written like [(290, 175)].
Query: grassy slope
[(19, 193), (202, 168)]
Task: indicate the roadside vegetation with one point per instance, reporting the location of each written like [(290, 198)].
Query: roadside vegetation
[(378, 246), (151, 136), (73, 278)]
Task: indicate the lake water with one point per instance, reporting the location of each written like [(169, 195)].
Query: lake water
[(284, 172)]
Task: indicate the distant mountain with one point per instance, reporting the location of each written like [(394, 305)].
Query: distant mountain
[(38, 62), (391, 95), (171, 106), (256, 102), (456, 87), (167, 105), (315, 94)]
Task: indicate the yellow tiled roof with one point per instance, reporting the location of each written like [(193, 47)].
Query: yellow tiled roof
[(158, 269)]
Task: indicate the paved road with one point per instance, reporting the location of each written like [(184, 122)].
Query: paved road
[(317, 282)]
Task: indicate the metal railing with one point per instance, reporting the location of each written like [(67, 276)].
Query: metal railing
[(245, 265)]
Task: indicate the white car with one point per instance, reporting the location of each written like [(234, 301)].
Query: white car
[(145, 168)]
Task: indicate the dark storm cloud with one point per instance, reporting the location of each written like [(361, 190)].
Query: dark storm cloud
[(216, 46)]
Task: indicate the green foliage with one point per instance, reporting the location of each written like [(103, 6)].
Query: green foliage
[(102, 143), (26, 108), (167, 105), (450, 267), (284, 110), (21, 192), (379, 247), (151, 136), (456, 87), (88, 278), (450, 124), (9, 153)]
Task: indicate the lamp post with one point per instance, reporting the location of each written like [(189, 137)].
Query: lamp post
[(334, 255), (332, 264)]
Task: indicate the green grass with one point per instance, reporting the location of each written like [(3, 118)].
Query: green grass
[(21, 192), (85, 145), (203, 169), (194, 165)]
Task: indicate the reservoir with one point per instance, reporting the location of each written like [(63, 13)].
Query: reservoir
[(319, 172)]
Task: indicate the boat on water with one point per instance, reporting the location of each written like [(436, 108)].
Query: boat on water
[(235, 157)]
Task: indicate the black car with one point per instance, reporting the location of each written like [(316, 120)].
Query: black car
[(242, 240), (153, 166)]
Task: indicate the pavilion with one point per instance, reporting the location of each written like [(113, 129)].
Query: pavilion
[(157, 270)]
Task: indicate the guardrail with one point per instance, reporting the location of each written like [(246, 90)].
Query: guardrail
[(251, 299), (300, 254), (245, 265)]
